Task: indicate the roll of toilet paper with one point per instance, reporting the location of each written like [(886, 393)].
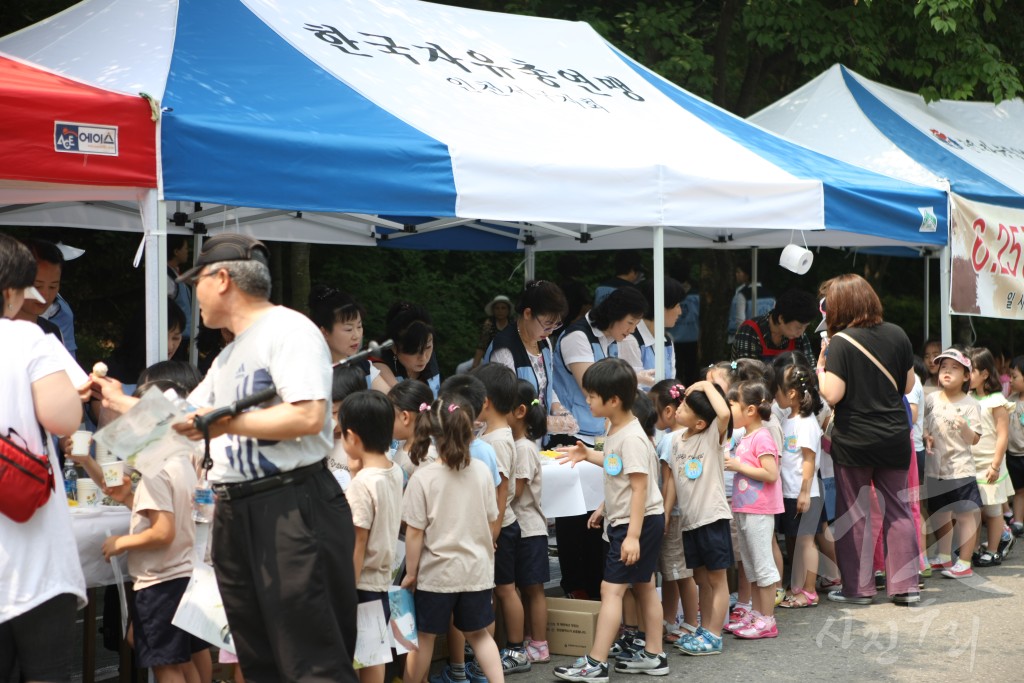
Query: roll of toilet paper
[(796, 259)]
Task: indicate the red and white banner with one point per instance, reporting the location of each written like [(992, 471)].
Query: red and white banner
[(987, 273)]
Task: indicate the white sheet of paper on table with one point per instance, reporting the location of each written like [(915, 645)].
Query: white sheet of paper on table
[(373, 643), (561, 494), (201, 610), (592, 483), (403, 620)]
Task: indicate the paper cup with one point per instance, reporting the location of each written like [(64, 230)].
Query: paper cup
[(102, 454), (80, 443), (113, 473), (88, 493)]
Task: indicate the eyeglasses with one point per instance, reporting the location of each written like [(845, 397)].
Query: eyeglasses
[(548, 325)]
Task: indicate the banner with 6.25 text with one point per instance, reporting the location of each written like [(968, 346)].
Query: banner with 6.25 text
[(987, 274)]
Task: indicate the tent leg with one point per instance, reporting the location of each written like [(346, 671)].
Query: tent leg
[(529, 270), (927, 297), (659, 303), (154, 218), (945, 317)]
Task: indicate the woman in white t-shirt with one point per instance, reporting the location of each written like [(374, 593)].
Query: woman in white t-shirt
[(41, 581)]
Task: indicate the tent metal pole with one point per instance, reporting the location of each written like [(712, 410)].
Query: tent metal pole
[(529, 270), (927, 298), (659, 303), (154, 218), (754, 285), (945, 316), (193, 349)]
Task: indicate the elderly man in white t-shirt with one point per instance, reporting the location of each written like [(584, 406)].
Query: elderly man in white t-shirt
[(283, 536)]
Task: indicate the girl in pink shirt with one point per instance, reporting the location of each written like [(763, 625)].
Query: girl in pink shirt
[(756, 498)]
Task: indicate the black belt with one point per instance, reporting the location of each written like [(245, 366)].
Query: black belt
[(244, 489)]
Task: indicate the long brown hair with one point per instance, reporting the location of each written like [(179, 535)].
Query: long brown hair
[(850, 302)]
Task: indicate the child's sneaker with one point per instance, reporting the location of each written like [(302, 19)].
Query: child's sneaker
[(627, 644), (583, 671), (940, 562), (1006, 542), (958, 571), (514, 660), (474, 674), (1017, 528), (537, 651), (446, 675), (739, 618), (759, 627), (644, 662)]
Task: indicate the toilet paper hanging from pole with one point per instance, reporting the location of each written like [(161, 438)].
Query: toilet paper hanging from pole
[(796, 258)]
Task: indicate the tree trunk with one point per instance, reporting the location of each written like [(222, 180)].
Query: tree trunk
[(299, 276), (717, 283), (730, 10)]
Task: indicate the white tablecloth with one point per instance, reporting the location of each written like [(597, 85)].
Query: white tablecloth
[(568, 490), (90, 525)]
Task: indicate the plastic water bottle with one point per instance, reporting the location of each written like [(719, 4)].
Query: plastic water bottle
[(70, 480), (202, 503)]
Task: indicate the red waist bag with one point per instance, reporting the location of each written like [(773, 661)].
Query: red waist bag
[(26, 480)]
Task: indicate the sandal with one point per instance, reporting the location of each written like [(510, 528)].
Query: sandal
[(800, 599), (702, 643), (672, 633)]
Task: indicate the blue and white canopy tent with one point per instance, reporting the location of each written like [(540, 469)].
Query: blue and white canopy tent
[(525, 130), (973, 149)]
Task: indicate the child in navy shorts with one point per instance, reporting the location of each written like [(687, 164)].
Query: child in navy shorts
[(634, 531)]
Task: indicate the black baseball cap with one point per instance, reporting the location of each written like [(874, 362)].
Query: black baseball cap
[(227, 247)]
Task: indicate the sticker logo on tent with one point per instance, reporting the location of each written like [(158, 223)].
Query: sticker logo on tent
[(929, 222), (84, 138)]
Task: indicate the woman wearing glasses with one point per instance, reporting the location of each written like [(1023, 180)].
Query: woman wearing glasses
[(525, 347)]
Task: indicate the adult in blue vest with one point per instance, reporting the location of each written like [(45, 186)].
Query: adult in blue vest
[(412, 357), (525, 346), (599, 334), (647, 346), (607, 330)]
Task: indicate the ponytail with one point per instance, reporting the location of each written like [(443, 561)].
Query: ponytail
[(536, 419), (448, 423)]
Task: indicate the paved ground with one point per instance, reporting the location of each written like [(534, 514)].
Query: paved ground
[(963, 630)]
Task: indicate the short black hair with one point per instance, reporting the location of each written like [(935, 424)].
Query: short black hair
[(409, 326), (674, 294), (17, 267), (371, 416), (500, 382), (345, 380), (328, 306), (170, 374), (627, 261), (543, 298), (620, 303), (796, 304), (610, 377), (470, 389), (44, 250)]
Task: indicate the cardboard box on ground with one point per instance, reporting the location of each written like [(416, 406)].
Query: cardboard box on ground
[(571, 628)]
